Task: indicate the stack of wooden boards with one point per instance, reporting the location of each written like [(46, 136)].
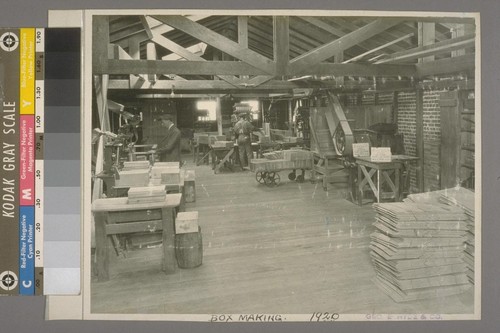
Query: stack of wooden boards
[(464, 199), (418, 248), (135, 165)]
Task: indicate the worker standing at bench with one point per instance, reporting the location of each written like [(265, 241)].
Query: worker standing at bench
[(169, 148), (243, 129)]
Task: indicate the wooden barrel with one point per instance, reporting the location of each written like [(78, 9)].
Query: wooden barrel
[(189, 249)]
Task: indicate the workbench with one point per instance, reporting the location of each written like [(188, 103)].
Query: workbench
[(384, 179), (223, 156), (116, 216)]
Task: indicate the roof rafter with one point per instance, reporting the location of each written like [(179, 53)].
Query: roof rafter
[(218, 41), (381, 47), (313, 57), (430, 50)]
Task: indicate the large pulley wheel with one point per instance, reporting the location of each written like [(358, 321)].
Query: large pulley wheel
[(260, 177), (272, 179), (339, 140)]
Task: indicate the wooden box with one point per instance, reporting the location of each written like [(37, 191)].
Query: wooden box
[(167, 164), (186, 222), (157, 171), (171, 176), (202, 138), (133, 178)]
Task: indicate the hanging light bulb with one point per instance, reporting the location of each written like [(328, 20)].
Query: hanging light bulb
[(172, 93)]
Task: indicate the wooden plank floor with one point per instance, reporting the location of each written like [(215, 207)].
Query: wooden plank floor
[(294, 248)]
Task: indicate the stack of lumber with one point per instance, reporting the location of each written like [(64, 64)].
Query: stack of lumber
[(146, 194), (274, 155), (417, 250), (464, 199), (135, 165)]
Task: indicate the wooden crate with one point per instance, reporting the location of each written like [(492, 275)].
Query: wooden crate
[(186, 222), (157, 171), (133, 178)]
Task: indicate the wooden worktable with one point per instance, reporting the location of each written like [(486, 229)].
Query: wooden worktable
[(116, 216), (375, 174)]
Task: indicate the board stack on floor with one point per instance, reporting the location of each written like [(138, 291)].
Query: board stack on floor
[(464, 199), (417, 250)]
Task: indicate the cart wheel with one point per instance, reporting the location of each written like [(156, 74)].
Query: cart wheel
[(292, 175), (272, 179), (260, 177), (268, 178), (300, 179), (276, 179)]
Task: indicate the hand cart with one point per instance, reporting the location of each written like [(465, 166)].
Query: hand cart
[(267, 170)]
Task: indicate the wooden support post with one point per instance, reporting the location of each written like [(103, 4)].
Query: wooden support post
[(134, 48), (100, 42), (101, 87), (426, 36), (243, 31), (281, 44), (420, 139), (339, 58), (395, 107), (218, 115), (151, 55)]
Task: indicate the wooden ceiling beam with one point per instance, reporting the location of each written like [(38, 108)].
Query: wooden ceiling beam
[(313, 57), (465, 63), (359, 70), (440, 19), (430, 50), (199, 85), (219, 42), (177, 67)]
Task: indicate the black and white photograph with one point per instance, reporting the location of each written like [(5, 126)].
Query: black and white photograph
[(273, 166)]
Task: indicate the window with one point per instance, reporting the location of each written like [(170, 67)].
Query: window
[(254, 104), (208, 106)]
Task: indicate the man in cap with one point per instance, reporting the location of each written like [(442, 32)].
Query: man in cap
[(243, 129), (169, 148)]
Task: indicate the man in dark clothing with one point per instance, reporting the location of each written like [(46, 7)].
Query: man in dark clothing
[(169, 148), (243, 130)]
